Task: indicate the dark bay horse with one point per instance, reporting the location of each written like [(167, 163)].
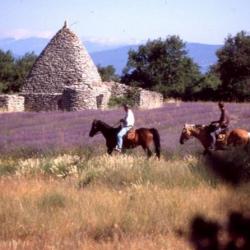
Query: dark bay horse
[(235, 137), (141, 137)]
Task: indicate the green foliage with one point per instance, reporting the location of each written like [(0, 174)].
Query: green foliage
[(234, 67), (130, 97), (162, 65), (13, 71), (205, 89), (108, 73), (7, 71)]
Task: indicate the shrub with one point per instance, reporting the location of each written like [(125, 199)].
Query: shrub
[(131, 97)]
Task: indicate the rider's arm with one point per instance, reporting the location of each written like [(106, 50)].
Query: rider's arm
[(130, 118), (213, 122)]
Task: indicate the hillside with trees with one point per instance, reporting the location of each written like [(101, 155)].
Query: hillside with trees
[(163, 65)]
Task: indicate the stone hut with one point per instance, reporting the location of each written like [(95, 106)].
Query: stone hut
[(63, 64), (64, 77)]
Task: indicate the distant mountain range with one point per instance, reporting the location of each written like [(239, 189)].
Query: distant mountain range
[(104, 54)]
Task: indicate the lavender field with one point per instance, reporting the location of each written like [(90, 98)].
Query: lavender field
[(43, 132)]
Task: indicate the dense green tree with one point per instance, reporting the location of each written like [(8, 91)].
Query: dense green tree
[(13, 71), (206, 88), (162, 65), (234, 67), (22, 68), (6, 69), (108, 73)]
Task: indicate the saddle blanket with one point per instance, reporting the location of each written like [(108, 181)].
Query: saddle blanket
[(130, 134)]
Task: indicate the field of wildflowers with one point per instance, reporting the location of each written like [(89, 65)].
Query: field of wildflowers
[(57, 130), (60, 190)]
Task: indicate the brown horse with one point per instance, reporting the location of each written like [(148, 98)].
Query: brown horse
[(201, 132), (139, 137)]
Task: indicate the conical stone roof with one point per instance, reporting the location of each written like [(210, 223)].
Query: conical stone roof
[(63, 62)]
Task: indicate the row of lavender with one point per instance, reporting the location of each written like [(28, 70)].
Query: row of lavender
[(62, 130)]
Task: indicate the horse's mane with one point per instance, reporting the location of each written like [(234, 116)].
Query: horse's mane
[(200, 126), (105, 124), (196, 126)]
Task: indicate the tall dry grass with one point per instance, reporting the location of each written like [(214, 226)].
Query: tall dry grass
[(103, 202)]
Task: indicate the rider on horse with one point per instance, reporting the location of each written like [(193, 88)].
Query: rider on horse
[(219, 126), (127, 123)]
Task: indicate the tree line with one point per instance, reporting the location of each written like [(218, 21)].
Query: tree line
[(163, 65)]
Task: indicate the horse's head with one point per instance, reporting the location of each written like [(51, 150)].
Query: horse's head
[(95, 128), (186, 133), (190, 130)]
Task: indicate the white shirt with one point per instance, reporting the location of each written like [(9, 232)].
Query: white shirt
[(129, 118)]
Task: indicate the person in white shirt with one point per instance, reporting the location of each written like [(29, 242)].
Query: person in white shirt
[(128, 122)]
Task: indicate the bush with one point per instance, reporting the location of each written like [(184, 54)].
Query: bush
[(131, 98)]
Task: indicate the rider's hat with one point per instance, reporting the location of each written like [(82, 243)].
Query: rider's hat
[(125, 106), (221, 104)]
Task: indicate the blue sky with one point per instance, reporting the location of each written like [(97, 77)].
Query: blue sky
[(126, 21)]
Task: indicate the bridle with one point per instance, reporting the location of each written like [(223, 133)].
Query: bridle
[(114, 125)]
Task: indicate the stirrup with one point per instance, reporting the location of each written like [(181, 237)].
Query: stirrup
[(118, 149)]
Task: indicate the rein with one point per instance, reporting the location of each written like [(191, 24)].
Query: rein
[(114, 125)]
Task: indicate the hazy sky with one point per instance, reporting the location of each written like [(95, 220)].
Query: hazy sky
[(123, 21)]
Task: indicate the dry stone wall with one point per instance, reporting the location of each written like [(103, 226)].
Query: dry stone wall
[(150, 99), (11, 103), (144, 100), (42, 101), (75, 98)]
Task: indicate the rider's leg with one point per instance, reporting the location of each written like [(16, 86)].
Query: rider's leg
[(214, 135), (120, 135)]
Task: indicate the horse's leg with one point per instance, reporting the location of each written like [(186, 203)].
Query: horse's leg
[(149, 152), (109, 151), (206, 152)]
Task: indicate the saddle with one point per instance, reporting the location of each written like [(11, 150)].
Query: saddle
[(221, 137), (130, 135)]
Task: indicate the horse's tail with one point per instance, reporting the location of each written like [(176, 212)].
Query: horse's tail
[(156, 138)]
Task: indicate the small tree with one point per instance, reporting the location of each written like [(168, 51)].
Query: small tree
[(108, 73), (130, 97)]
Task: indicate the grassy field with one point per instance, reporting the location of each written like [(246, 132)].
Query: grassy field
[(81, 198)]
